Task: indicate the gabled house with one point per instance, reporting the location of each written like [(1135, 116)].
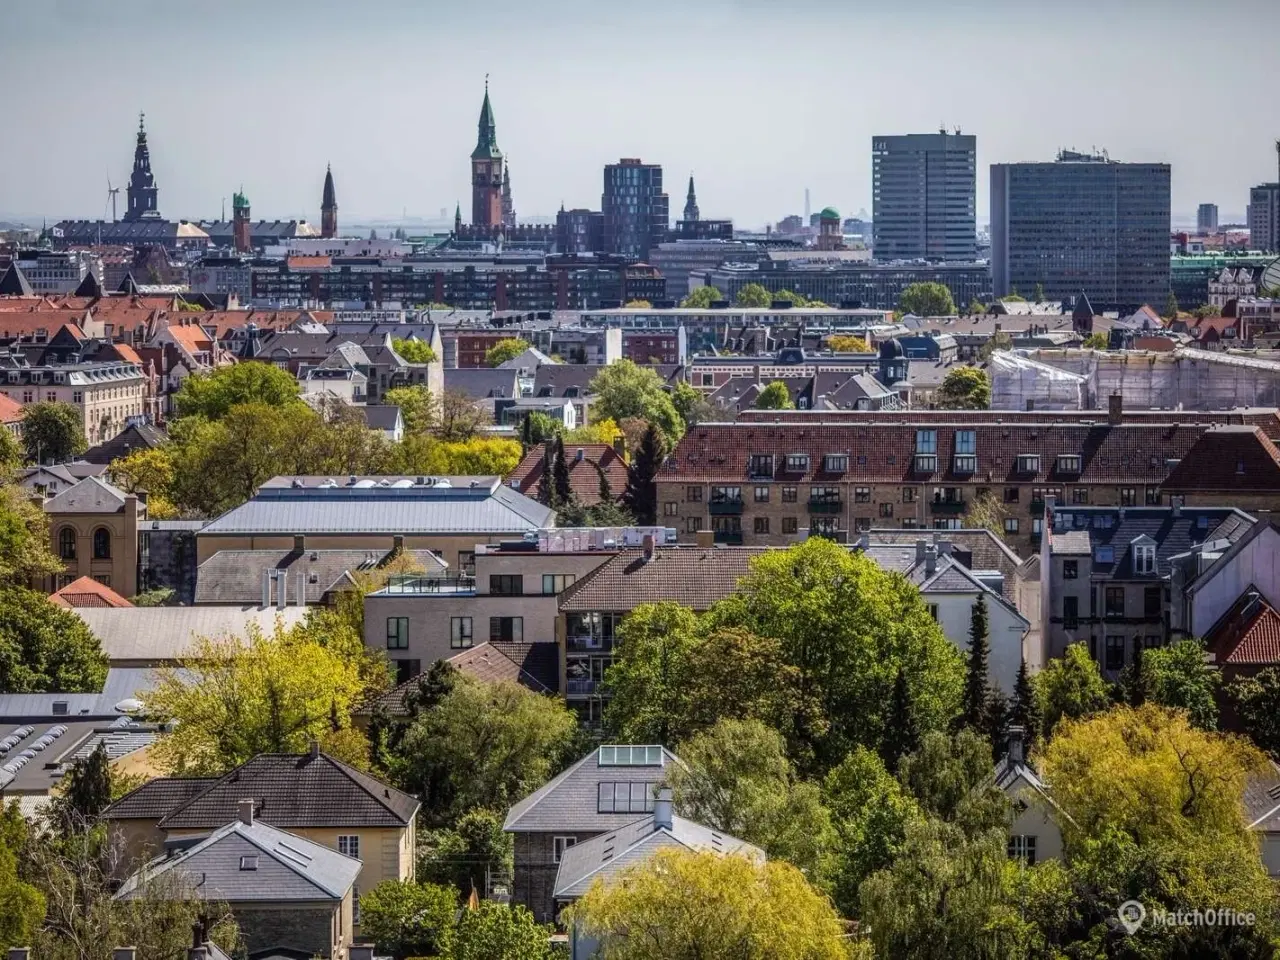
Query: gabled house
[(94, 529), (587, 463), (1035, 834)]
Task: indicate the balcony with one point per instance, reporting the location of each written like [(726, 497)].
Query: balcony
[(725, 508), (731, 538), (582, 643), (1036, 507), (829, 507), (582, 688), (947, 508), (417, 586)]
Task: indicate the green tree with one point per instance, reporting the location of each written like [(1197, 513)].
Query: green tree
[(561, 488), (1039, 294), (541, 428), (775, 396), (844, 343), (701, 298), (409, 919), (22, 905), (1257, 703), (753, 295), (641, 494), (986, 512), (624, 391), (86, 792), (996, 342), (1096, 341), (418, 407), (648, 682), (414, 350), (927, 300), (976, 308), (796, 299), (709, 906), (692, 406), (484, 745), (212, 395), (25, 553), (45, 648), (494, 931), (52, 432), (965, 388), (466, 853), (846, 626), (1070, 686), (1170, 307), (736, 778), (504, 350), (902, 732), (951, 777), (1025, 712), (977, 688), (1177, 676)]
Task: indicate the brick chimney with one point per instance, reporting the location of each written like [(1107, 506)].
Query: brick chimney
[(244, 810), (1015, 744), (1115, 409)]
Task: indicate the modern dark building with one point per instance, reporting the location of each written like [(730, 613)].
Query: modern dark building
[(636, 211), (924, 196), (1207, 218), (579, 231), (1082, 224), (143, 193), (1264, 215)]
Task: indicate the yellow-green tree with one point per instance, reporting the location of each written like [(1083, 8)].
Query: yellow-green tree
[(680, 904), (847, 343), (638, 304), (149, 470), (701, 298), (965, 388), (753, 295), (479, 456), (25, 553), (232, 698), (504, 350), (420, 410), (1096, 341), (414, 350)]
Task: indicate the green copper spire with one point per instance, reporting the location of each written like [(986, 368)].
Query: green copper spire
[(487, 141)]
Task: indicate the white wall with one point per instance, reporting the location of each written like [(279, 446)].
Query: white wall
[(1004, 627), (1254, 565)]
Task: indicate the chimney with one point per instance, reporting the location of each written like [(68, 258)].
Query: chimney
[(1175, 504), (706, 539), (360, 951), (1015, 753), (197, 953), (299, 543), (1115, 409), (245, 812), (397, 544), (620, 446), (921, 546), (314, 748), (266, 588), (648, 547), (944, 548), (662, 810), (124, 953), (197, 932), (930, 560)]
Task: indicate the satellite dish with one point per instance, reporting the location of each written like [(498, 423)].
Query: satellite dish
[(128, 705)]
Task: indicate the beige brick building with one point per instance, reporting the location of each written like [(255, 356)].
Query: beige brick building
[(107, 394), (94, 531)]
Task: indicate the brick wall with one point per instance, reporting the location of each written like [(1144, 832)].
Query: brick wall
[(535, 872), (305, 928)]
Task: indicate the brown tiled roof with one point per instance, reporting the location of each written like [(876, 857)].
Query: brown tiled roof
[(1247, 634), (158, 798), (293, 790), (884, 452), (584, 474), (10, 410), (1228, 458), (88, 592), (694, 577), (534, 665), (1268, 418)]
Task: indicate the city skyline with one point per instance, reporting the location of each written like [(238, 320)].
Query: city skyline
[(396, 126)]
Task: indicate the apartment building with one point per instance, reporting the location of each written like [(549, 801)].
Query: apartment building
[(771, 484), (109, 395)]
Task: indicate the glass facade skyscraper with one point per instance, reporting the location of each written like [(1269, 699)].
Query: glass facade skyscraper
[(636, 211), (924, 194)]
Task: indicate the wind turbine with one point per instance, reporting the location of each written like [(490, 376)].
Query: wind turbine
[(112, 192)]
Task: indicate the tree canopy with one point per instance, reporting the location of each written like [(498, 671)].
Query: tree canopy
[(504, 350), (753, 295), (212, 395), (846, 343), (775, 396), (52, 432), (701, 298), (927, 300), (409, 919), (1096, 341), (414, 350), (626, 391), (965, 388), (46, 648), (1070, 686)]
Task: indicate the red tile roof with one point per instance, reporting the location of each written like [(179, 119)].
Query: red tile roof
[(126, 353), (584, 473), (1247, 634), (191, 337), (884, 452), (10, 410), (1228, 459), (87, 592)]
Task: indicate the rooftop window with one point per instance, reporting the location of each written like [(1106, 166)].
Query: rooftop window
[(626, 755)]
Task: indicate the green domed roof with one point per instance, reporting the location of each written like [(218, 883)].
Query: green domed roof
[(829, 213)]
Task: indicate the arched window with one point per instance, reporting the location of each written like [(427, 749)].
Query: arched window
[(102, 544), (67, 543)]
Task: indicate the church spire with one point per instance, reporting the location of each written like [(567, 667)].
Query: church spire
[(691, 202), (328, 206), (487, 134), (142, 192)]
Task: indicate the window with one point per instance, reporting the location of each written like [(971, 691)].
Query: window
[(933, 611), (670, 508), (1070, 612), (797, 462), (760, 465), (926, 441), (1023, 847), (789, 525), (349, 845), (1028, 463), (761, 494), (397, 633), (1144, 558), (102, 544), (460, 636), (467, 562), (693, 494), (692, 524), (789, 494), (835, 463), (1113, 602), (559, 845), (1128, 496), (1069, 463), (726, 524), (1010, 524), (67, 543), (964, 463), (249, 862), (1115, 653), (966, 442), (406, 670), (1011, 494), (627, 797), (860, 494), (1152, 602), (554, 583), (909, 523), (626, 755), (1149, 641), (508, 629), (726, 495), (103, 579), (825, 525), (886, 510), (1079, 494), (760, 524), (506, 584), (1153, 496)]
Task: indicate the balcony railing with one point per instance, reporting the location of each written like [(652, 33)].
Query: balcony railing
[(583, 642), (949, 508), (1036, 506), (826, 506), (725, 508), (427, 586), (732, 538), (582, 688), (839, 536)]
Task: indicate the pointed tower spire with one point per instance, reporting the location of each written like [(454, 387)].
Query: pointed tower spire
[(487, 131), (328, 206), (691, 202), (142, 192), (457, 219)]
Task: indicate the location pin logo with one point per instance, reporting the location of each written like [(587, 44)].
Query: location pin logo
[(1131, 914)]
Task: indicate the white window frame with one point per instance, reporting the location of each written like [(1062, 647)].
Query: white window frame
[(349, 845), (559, 844)]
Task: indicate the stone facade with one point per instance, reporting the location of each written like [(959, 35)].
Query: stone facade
[(103, 546), (321, 929), (536, 869)]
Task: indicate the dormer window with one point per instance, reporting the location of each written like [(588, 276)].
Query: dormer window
[(1069, 463), (1144, 555), (797, 462), (1028, 463), (835, 463)]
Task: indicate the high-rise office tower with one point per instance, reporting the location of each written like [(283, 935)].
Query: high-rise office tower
[(924, 196), (1207, 218), (1083, 224), (1264, 214), (636, 211)]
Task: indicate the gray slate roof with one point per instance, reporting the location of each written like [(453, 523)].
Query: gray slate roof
[(122, 683), (140, 636), (1119, 527), (1262, 799), (235, 576), (482, 382), (91, 495), (287, 867), (604, 856), (569, 801), (413, 510)]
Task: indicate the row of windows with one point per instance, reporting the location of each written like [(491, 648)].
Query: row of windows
[(461, 633), (512, 584), (101, 543), (790, 494), (1113, 605)]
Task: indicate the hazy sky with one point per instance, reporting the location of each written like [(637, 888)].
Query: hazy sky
[(758, 99)]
